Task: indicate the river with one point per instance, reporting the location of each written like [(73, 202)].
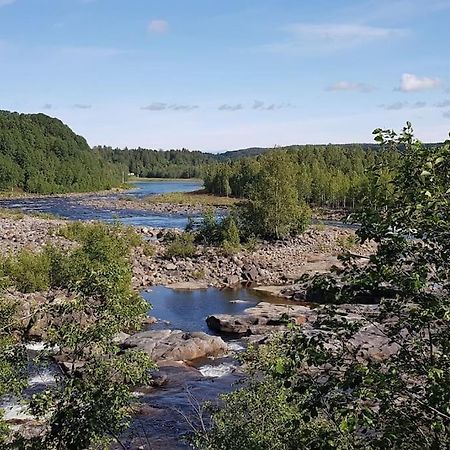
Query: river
[(74, 208)]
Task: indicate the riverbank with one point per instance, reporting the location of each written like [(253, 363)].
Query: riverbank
[(268, 263), (16, 195)]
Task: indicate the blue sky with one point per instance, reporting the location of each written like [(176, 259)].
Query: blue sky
[(216, 75)]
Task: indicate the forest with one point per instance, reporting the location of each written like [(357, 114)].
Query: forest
[(39, 154), (147, 163), (326, 176)]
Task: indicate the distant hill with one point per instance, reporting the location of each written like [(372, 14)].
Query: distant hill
[(40, 154), (242, 153), (255, 151)]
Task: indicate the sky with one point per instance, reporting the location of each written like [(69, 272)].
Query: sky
[(216, 75)]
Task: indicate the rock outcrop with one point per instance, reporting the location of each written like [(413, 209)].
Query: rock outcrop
[(176, 345), (261, 319)]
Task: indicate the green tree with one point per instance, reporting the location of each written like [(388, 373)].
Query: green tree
[(273, 208)]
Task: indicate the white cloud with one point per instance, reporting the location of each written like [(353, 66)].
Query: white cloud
[(350, 86), (412, 83), (158, 26), (331, 36)]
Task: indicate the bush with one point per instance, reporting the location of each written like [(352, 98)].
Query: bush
[(28, 271), (215, 231), (182, 246), (148, 249)]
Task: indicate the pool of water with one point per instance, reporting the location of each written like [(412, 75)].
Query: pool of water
[(145, 188), (187, 310)]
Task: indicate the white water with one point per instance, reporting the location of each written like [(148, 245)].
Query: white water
[(218, 371)]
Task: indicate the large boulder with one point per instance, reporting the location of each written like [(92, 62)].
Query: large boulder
[(176, 345), (260, 319)]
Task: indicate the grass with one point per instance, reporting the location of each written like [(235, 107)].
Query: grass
[(196, 198), (6, 213)]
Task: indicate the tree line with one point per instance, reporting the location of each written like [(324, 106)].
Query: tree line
[(40, 154), (147, 163), (325, 176)]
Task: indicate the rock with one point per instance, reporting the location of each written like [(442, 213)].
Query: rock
[(171, 266), (176, 345), (187, 285), (250, 273), (261, 319), (121, 337), (276, 291), (150, 320), (232, 280)]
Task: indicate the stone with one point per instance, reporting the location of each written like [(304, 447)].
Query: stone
[(260, 319), (176, 345)]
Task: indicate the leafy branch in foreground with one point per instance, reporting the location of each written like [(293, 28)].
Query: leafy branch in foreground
[(364, 376), (90, 403)]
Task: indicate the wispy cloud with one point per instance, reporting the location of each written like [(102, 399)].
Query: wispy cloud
[(262, 106), (419, 105), (159, 106), (176, 107), (446, 114), (47, 106), (443, 104), (332, 36), (396, 106), (82, 106), (158, 26), (350, 86), (6, 2), (413, 83), (226, 107)]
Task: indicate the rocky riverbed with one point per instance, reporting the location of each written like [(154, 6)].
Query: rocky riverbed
[(131, 203), (278, 263)]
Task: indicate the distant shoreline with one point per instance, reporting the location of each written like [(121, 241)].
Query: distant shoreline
[(24, 195), (136, 179)]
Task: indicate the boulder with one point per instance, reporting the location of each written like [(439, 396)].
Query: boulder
[(260, 319), (176, 345), (171, 266)]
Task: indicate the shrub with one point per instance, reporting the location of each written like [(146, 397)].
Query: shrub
[(216, 231), (28, 271), (182, 246), (148, 249)]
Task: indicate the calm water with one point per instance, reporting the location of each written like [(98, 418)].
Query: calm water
[(187, 310), (74, 209)]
